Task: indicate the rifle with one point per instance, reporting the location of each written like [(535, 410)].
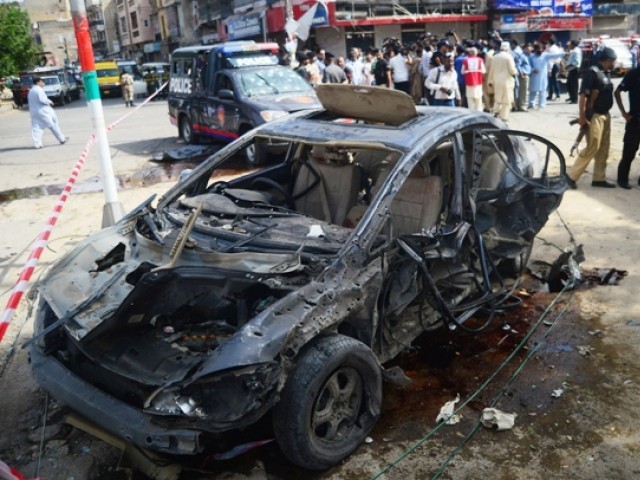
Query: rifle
[(583, 129)]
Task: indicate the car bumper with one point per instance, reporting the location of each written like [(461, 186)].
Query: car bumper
[(110, 413)]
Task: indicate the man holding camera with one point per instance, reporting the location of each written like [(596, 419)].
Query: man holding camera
[(443, 83)]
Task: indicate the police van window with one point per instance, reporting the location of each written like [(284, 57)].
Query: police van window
[(223, 82), (188, 66), (177, 68)]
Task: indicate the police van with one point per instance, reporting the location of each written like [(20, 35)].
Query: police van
[(224, 90)]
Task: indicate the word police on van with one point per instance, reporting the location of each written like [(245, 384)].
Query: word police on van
[(224, 90)]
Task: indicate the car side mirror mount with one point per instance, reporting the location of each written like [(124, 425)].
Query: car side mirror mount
[(226, 94)]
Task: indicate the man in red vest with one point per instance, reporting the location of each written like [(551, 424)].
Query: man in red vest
[(473, 70)]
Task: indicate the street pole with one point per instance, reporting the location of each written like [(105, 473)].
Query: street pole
[(112, 210)]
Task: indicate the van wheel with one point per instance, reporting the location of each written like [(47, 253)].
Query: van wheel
[(69, 99), (186, 130), (62, 100)]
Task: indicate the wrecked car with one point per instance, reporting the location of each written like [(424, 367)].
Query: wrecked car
[(286, 291)]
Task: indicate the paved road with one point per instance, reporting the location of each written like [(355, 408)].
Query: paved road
[(131, 143)]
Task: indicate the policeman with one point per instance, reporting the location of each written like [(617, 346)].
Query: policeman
[(630, 83), (596, 99)]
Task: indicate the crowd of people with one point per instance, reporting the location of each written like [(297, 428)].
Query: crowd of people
[(495, 75), (499, 76)]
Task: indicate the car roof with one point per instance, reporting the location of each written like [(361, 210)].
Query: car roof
[(320, 126)]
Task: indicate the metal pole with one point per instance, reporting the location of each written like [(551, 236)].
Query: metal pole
[(112, 210)]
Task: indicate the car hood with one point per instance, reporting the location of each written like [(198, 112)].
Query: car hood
[(106, 273), (289, 102)]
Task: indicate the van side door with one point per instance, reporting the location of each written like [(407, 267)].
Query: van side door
[(226, 115)]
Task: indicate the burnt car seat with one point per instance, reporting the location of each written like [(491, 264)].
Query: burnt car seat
[(418, 203), (327, 185)]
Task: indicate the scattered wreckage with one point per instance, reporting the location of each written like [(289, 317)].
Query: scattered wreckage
[(286, 290)]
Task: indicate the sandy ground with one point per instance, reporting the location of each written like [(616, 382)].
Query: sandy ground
[(590, 432)]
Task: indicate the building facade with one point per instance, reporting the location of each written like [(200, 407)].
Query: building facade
[(149, 30)]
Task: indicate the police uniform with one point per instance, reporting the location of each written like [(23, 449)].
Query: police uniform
[(599, 130), (630, 83)]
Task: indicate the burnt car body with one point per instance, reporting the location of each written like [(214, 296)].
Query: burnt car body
[(287, 289)]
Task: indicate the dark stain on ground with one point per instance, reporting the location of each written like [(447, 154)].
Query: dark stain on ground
[(149, 175), (445, 363)]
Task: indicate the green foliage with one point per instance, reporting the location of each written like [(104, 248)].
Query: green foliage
[(17, 49)]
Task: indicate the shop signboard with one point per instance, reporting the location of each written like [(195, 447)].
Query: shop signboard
[(549, 7), (320, 18), (244, 26), (556, 24), (513, 23)]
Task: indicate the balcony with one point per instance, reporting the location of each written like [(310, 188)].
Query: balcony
[(95, 23)]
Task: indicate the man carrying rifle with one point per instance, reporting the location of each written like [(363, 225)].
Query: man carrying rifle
[(596, 99)]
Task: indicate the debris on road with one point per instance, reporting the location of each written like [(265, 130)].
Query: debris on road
[(446, 412), (557, 393), (497, 420), (188, 152), (585, 350)]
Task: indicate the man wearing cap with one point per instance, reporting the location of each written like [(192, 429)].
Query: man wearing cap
[(42, 115), (630, 83), (502, 79), (595, 101)]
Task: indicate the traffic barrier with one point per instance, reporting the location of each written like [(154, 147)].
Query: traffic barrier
[(41, 242)]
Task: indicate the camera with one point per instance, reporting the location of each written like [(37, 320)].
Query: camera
[(449, 92)]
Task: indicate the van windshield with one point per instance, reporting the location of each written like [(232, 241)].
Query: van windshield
[(107, 72), (51, 80), (270, 81)]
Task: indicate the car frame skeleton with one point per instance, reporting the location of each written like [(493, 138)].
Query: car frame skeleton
[(287, 289)]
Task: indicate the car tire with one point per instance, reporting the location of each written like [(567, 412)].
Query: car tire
[(62, 101), (330, 402), (256, 153), (69, 99), (186, 130)]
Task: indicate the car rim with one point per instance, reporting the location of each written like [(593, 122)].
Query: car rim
[(337, 406), (251, 153), (186, 131)]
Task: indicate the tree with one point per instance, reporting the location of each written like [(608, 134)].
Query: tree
[(17, 50)]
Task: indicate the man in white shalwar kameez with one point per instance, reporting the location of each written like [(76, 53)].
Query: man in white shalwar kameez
[(502, 77), (42, 115)]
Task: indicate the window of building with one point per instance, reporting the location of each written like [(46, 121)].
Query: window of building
[(123, 24), (146, 23), (134, 20)]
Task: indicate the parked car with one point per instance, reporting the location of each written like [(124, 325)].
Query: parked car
[(222, 91), (60, 84), (590, 46), (289, 289)]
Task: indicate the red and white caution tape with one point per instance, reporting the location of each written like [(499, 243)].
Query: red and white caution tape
[(40, 244), (8, 473)]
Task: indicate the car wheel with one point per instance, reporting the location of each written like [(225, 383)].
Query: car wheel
[(256, 154), (330, 402), (62, 100), (69, 99), (186, 130)]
